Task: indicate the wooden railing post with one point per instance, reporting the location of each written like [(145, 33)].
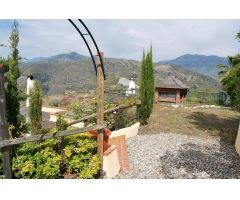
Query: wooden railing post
[(6, 157), (116, 119), (100, 107), (85, 122)]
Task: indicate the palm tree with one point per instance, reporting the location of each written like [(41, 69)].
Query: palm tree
[(233, 61)]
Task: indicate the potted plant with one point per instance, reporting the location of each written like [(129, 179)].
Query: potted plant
[(107, 133)]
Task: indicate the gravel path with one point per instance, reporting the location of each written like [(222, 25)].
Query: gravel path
[(180, 156)]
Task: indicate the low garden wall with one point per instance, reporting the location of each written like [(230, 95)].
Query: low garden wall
[(130, 131), (111, 164), (237, 144)]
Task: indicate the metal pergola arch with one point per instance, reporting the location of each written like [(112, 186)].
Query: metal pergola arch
[(86, 43)]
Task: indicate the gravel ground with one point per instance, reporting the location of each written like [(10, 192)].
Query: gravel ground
[(180, 156)]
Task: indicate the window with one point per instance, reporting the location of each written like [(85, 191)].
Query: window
[(165, 95)]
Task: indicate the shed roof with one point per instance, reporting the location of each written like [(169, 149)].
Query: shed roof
[(171, 82)]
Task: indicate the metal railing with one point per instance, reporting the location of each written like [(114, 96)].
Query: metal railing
[(208, 97)]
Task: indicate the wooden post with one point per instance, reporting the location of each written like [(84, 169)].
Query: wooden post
[(178, 98), (100, 107), (116, 119), (6, 158), (85, 123)]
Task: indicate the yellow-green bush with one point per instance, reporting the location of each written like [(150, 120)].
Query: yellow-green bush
[(52, 158)]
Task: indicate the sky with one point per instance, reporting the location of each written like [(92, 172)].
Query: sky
[(126, 38)]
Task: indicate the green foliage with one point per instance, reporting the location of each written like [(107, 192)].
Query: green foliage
[(61, 123), (129, 100), (35, 108), (203, 95), (231, 84), (55, 102), (127, 117), (52, 158), (92, 169), (5, 64), (13, 94), (78, 111), (146, 87), (81, 157), (88, 106), (230, 78), (43, 164)]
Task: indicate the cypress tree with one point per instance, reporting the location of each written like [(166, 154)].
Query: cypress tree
[(150, 82), (13, 94), (146, 87), (35, 108)]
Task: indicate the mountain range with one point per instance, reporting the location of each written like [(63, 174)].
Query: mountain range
[(72, 56), (206, 65), (75, 72)]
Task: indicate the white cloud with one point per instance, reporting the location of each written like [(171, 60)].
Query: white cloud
[(128, 38)]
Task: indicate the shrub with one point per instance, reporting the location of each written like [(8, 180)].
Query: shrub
[(129, 100), (81, 158), (78, 111), (146, 87), (48, 163), (37, 160), (35, 108), (127, 117), (44, 160), (61, 123), (92, 169), (54, 102)]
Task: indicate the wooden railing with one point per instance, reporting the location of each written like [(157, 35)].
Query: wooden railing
[(114, 111), (41, 137), (6, 143)]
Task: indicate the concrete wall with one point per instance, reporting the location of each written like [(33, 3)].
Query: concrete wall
[(128, 132), (111, 165), (52, 110), (237, 143)]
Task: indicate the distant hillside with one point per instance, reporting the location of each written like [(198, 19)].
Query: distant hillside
[(58, 76), (72, 56), (206, 65)]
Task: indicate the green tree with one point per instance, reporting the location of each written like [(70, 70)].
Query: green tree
[(35, 108), (230, 77), (13, 95), (146, 87), (61, 123)]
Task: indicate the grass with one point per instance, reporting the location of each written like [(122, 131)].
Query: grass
[(221, 122)]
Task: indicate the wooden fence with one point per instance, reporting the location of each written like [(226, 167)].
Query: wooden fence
[(115, 111), (6, 143), (41, 137)]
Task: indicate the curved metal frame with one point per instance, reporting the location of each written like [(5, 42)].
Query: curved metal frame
[(85, 41)]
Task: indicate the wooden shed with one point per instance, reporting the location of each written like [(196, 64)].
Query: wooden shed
[(171, 90)]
